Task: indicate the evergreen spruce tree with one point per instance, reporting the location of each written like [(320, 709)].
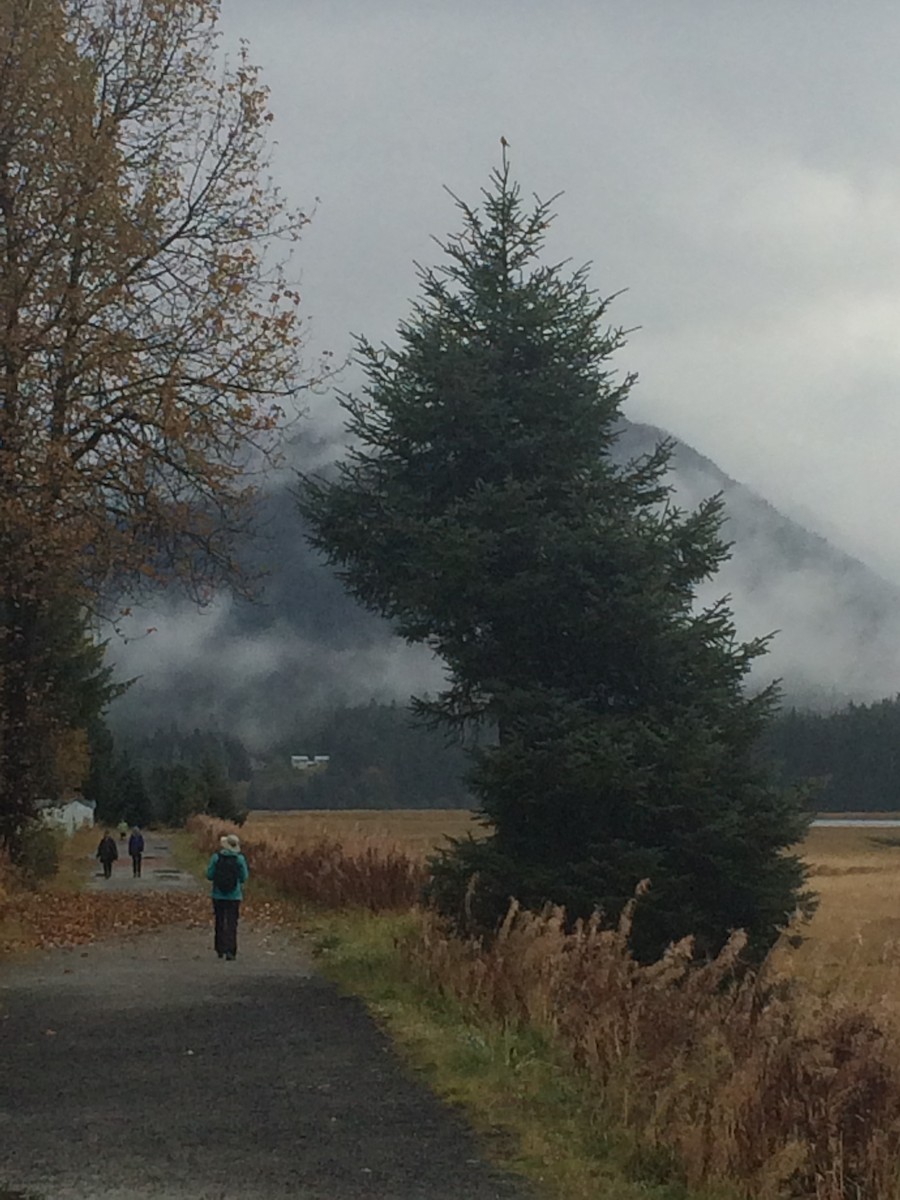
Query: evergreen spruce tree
[(480, 511), (116, 782), (75, 687), (134, 803), (216, 793)]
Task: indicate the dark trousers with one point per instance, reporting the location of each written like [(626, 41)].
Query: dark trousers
[(136, 865), (227, 913), (107, 867)]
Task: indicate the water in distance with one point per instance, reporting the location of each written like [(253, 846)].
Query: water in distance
[(857, 822)]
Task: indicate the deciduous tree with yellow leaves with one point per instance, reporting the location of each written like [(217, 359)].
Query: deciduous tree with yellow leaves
[(149, 336)]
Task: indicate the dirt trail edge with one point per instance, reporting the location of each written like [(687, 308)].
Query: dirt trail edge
[(147, 1067)]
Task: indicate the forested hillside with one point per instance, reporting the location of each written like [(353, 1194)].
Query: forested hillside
[(379, 758), (852, 756)]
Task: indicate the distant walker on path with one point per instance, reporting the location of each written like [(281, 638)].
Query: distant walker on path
[(107, 852), (228, 872), (136, 850)]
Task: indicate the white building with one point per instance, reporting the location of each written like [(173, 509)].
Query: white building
[(303, 762), (69, 814)]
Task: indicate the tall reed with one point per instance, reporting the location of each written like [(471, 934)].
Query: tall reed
[(369, 874), (741, 1079)]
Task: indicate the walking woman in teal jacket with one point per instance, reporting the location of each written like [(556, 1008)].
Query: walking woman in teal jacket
[(228, 873)]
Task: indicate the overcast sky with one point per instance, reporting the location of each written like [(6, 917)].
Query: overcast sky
[(735, 166)]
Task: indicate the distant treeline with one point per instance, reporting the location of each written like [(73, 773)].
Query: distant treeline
[(167, 776), (852, 756), (171, 747), (379, 758)]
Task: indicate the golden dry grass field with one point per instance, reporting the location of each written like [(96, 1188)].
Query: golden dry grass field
[(415, 831), (852, 944)]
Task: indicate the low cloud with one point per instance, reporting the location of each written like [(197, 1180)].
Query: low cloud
[(262, 670), (196, 671)]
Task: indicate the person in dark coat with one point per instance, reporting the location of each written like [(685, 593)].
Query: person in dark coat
[(107, 852), (136, 850), (227, 899)]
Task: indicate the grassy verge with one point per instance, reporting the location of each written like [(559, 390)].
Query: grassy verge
[(534, 1113), (187, 854)]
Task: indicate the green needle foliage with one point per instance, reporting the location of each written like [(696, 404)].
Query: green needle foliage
[(480, 510)]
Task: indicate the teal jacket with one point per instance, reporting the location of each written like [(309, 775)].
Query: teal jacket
[(243, 871)]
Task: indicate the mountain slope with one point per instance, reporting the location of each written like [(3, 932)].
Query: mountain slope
[(255, 669), (837, 621)]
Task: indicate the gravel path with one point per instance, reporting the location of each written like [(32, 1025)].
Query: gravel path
[(158, 872), (148, 1068)]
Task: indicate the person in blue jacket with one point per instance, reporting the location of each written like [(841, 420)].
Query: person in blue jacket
[(136, 850), (228, 872)]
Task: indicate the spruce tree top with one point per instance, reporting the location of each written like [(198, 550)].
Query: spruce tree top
[(479, 509)]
